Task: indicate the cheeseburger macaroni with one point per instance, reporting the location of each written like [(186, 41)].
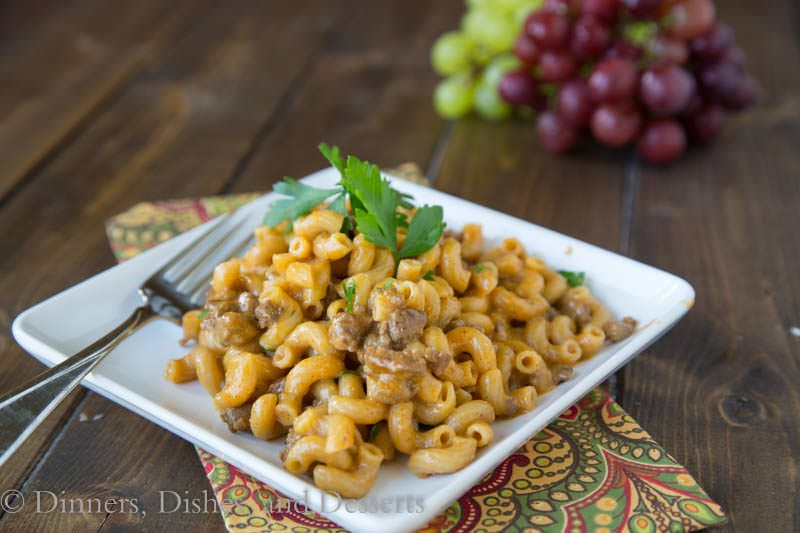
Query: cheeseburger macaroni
[(323, 339)]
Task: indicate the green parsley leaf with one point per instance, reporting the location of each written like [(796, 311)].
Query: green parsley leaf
[(374, 430), (479, 268), (375, 217), (404, 200), (375, 232), (424, 231), (388, 283), (348, 225), (333, 156), (339, 204), (574, 279), (349, 294), (302, 199), (401, 219), (428, 276), (374, 205), (203, 314)]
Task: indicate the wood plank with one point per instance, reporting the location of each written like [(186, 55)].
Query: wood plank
[(502, 166), (720, 391), (178, 130), (27, 457), (18, 17), (131, 461), (81, 55), (369, 93)]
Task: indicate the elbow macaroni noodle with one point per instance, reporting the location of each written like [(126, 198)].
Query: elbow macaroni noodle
[(318, 336)]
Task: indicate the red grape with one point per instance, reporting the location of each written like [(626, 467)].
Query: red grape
[(720, 78), (712, 44), (562, 7), (624, 50), (642, 8), (539, 102), (654, 74), (526, 50), (555, 134), (665, 48), (734, 55), (557, 66), (694, 105), (666, 89), (607, 10), (574, 103), (706, 124), (744, 96), (549, 30), (613, 79), (662, 141), (616, 124), (589, 37), (665, 6), (688, 19), (518, 88)]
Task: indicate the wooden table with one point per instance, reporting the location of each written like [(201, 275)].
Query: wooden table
[(106, 104)]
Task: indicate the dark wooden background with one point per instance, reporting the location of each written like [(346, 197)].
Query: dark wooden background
[(105, 104)]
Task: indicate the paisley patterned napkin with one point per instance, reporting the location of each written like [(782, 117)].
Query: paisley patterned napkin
[(593, 469)]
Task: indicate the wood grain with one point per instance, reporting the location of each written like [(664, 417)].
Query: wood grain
[(501, 166), (151, 100), (147, 145), (720, 391), (82, 54), (18, 18), (207, 97), (107, 454), (150, 149), (368, 92)]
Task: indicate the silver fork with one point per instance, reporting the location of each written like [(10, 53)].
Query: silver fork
[(178, 286)]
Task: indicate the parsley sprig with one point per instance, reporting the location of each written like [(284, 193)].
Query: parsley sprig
[(349, 295), (574, 279), (375, 204), (374, 431), (302, 199)]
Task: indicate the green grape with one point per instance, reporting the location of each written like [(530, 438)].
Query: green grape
[(482, 55), (488, 102), (453, 96), (451, 53), (500, 33), (511, 6), (493, 29), (498, 66), (472, 24)]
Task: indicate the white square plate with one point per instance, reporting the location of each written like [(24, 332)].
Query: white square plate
[(132, 374)]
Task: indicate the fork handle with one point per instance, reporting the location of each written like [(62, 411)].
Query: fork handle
[(24, 408)]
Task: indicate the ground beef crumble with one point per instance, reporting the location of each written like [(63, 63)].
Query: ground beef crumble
[(618, 330)]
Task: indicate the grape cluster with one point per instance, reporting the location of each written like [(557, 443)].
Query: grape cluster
[(657, 73), (475, 57)]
